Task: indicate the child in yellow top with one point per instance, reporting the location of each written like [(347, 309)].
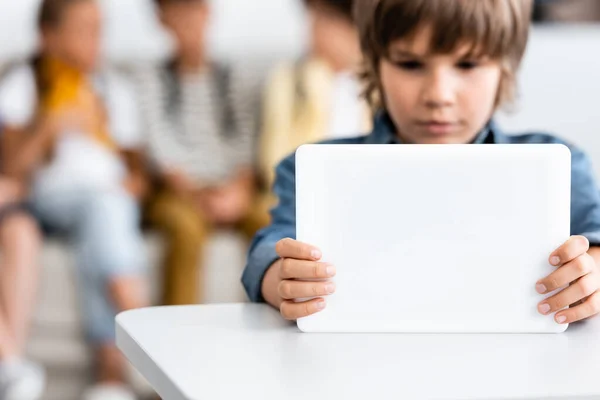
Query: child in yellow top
[(63, 87), (82, 185)]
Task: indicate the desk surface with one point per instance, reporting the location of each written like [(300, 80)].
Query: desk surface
[(246, 351)]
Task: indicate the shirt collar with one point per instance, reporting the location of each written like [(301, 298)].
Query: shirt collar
[(384, 132)]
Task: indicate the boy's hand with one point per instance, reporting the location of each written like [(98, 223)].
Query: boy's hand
[(179, 182), (578, 273), (72, 119), (227, 204), (137, 185), (10, 191), (294, 276)]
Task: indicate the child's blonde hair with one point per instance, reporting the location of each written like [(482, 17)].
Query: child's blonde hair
[(495, 28)]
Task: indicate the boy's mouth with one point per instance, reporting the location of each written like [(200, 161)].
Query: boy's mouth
[(435, 127)]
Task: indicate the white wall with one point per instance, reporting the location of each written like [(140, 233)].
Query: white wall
[(560, 87), (17, 24), (265, 29), (259, 28)]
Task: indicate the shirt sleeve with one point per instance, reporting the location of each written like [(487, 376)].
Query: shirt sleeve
[(262, 250), (585, 198), (18, 97)]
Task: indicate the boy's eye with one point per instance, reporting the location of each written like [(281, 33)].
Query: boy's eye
[(409, 65), (467, 64)]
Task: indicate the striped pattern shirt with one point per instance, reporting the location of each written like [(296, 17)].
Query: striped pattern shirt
[(201, 124)]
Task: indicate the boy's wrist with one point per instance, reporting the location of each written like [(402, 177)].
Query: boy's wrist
[(269, 285)]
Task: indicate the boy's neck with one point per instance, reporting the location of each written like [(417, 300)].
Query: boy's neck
[(336, 65), (185, 65), (57, 68), (57, 61)]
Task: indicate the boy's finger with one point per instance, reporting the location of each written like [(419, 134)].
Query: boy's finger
[(289, 290), (573, 248), (298, 269), (587, 309), (292, 311), (290, 248), (581, 289), (568, 273)]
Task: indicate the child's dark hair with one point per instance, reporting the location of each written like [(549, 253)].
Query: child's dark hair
[(161, 3), (341, 7), (51, 13)]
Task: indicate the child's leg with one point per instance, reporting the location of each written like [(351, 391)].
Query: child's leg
[(20, 244), (185, 232), (8, 348), (98, 314), (111, 260)]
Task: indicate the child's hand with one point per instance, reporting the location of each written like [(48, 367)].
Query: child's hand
[(10, 191), (577, 270), (179, 182), (137, 185), (72, 119), (227, 204), (297, 275)]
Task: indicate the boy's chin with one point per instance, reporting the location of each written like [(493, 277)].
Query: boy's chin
[(446, 139), (436, 134)]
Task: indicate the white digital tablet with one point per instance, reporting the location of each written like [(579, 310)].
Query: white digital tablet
[(434, 238)]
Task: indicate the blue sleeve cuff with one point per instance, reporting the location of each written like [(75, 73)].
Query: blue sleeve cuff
[(593, 237), (259, 261)]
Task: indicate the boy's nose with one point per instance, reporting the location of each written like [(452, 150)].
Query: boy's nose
[(438, 90)]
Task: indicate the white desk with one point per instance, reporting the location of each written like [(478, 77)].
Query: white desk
[(247, 352)]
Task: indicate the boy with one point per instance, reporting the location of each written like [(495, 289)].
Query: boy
[(436, 71), (200, 139)]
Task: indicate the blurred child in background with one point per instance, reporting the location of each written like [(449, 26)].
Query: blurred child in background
[(319, 96), (82, 183), (200, 127)]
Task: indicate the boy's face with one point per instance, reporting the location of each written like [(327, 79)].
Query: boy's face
[(77, 38), (438, 99), (187, 21), (334, 37)]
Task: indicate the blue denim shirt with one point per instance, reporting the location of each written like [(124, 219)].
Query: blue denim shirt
[(585, 197)]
